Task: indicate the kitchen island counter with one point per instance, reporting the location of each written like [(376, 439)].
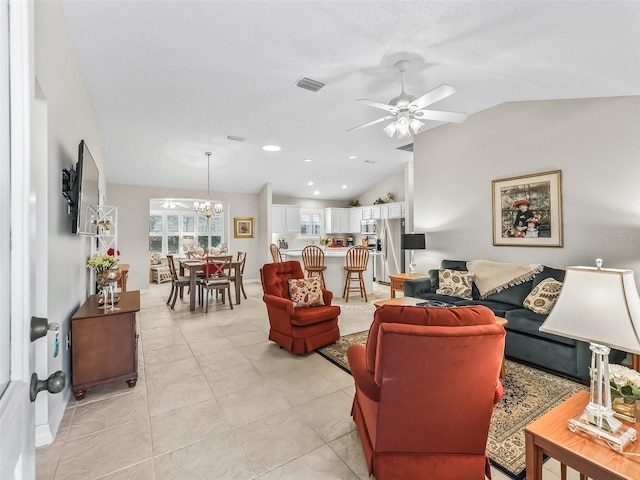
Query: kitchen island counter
[(334, 275)]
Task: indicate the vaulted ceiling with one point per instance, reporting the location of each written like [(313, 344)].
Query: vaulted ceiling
[(171, 80)]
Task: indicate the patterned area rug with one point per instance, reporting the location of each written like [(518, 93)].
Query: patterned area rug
[(528, 394)]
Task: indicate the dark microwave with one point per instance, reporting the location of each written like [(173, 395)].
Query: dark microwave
[(368, 227)]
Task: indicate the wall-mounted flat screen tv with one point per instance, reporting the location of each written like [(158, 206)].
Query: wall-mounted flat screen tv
[(87, 175)]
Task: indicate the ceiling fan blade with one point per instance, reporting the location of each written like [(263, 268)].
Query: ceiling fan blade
[(454, 117), (373, 103), (438, 93), (388, 117)]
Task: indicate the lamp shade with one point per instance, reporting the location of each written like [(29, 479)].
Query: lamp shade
[(413, 241), (597, 305)]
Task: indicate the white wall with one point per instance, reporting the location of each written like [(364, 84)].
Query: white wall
[(391, 184), (133, 226), (594, 142), (70, 119)]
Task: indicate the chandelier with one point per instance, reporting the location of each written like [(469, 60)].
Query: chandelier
[(205, 208)]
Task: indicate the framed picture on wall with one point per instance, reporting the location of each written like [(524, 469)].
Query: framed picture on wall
[(242, 227), (527, 210)]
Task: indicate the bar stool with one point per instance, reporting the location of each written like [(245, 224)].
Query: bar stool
[(357, 260), (313, 259)]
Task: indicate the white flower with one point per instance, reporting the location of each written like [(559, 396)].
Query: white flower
[(625, 381)]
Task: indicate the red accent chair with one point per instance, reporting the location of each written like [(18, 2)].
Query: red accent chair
[(426, 386), (298, 329)]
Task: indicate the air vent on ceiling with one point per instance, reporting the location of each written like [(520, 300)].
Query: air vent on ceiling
[(406, 148), (236, 138), (371, 161), (309, 84)]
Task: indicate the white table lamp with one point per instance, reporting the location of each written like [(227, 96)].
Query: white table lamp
[(600, 306)]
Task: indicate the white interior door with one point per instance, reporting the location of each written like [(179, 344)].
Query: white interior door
[(17, 429)]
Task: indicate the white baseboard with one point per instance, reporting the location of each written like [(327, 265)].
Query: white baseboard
[(46, 433)]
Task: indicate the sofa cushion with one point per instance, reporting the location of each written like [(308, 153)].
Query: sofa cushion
[(455, 283), (513, 295), (525, 321), (548, 272), (543, 297), (442, 298), (434, 278), (454, 265), (306, 292), (499, 309)]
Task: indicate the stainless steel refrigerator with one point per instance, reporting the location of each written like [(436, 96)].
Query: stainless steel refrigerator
[(391, 260)]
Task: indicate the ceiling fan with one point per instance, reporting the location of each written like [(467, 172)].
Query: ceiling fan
[(407, 110), (170, 203)]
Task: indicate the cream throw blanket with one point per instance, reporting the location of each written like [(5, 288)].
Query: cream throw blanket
[(492, 277)]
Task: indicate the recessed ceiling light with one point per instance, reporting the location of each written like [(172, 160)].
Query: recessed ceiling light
[(307, 159), (309, 183), (316, 192), (271, 148), (344, 186), (352, 156)]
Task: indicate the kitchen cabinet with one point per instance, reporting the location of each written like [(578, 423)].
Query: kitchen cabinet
[(367, 213), (104, 344), (285, 219), (336, 220), (396, 210), (355, 217), (376, 212)]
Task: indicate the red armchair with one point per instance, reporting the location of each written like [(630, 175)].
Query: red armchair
[(426, 386), (298, 329)]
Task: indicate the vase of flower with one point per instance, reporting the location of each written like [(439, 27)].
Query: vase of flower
[(624, 408), (625, 390)]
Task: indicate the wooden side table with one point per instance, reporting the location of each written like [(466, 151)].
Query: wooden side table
[(550, 435), (397, 281), (104, 344)]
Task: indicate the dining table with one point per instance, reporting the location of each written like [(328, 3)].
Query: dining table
[(196, 265)]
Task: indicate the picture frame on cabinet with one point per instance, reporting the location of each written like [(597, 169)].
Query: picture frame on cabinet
[(242, 227), (527, 210)]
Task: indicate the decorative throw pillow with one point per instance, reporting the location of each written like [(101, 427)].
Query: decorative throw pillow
[(306, 292), (543, 296), (456, 283)]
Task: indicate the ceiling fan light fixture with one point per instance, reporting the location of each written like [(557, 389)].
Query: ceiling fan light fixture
[(390, 129), (416, 125), (403, 128)]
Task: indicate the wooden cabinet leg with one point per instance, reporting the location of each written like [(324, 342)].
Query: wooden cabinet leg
[(80, 394), (132, 382)]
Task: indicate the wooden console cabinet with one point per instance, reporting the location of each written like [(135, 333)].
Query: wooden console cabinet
[(104, 345)]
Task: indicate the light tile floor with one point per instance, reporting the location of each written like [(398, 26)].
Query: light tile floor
[(216, 400)]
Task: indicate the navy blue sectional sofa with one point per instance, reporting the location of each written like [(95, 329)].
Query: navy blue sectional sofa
[(524, 342)]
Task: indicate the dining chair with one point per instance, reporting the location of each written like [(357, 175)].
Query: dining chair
[(177, 283), (216, 278), (275, 253), (313, 259), (238, 272), (357, 259)]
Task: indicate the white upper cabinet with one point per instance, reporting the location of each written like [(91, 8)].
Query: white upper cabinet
[(396, 210), (355, 217), (285, 219), (336, 220)]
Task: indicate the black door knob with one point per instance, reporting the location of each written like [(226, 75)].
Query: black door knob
[(54, 384)]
